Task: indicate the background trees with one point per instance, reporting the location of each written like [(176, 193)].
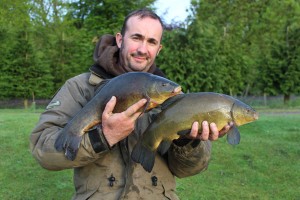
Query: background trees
[(234, 47)]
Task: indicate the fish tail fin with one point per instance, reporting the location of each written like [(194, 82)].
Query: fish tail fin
[(233, 136), (59, 146), (144, 156), (164, 147), (69, 144)]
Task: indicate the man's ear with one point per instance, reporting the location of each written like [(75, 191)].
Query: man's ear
[(160, 47), (119, 39)]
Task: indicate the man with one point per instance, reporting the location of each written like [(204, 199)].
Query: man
[(103, 168)]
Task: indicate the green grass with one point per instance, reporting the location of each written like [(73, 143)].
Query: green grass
[(20, 175), (265, 165)]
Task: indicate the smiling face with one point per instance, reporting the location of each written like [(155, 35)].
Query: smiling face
[(140, 44)]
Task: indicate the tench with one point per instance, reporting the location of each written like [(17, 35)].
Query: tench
[(128, 88), (176, 118)]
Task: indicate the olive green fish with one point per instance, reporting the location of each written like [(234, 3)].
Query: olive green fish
[(128, 88), (176, 118)]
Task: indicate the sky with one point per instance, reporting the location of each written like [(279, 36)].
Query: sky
[(176, 9)]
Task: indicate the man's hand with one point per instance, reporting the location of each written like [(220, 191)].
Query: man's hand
[(209, 131), (117, 126)]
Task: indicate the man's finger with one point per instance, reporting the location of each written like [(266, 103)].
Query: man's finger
[(194, 130), (214, 132), (205, 131), (133, 109), (136, 115), (109, 107)]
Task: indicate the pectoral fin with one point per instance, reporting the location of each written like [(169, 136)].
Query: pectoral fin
[(233, 136), (147, 105)]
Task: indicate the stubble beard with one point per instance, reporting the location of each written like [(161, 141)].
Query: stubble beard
[(130, 65)]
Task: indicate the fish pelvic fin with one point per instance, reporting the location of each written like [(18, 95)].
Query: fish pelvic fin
[(144, 156), (233, 136), (68, 143), (184, 132), (164, 147)]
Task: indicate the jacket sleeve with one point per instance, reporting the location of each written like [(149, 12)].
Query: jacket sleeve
[(69, 100), (190, 157)]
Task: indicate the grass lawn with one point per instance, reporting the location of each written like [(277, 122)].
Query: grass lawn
[(20, 176), (265, 165)]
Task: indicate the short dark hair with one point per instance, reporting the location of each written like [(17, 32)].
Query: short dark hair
[(142, 13)]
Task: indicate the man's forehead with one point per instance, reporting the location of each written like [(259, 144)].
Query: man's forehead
[(146, 26)]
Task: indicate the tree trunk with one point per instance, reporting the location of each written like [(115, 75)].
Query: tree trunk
[(25, 103), (33, 102), (286, 98), (265, 99), (247, 90)]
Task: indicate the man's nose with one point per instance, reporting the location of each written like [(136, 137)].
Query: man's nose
[(142, 48)]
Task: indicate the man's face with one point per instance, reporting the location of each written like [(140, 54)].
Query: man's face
[(141, 43)]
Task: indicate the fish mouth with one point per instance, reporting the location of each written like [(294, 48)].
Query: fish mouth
[(255, 116), (153, 103), (177, 90)]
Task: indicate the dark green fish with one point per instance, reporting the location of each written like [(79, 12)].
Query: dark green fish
[(128, 89), (176, 118)]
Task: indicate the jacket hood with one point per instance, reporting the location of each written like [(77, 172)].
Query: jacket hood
[(106, 58)]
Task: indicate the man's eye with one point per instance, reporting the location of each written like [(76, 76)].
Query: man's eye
[(136, 38), (152, 42)]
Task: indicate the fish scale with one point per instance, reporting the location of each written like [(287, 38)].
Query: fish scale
[(177, 116), (128, 89)]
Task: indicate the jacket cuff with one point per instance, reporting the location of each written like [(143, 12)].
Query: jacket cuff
[(185, 141), (98, 140)]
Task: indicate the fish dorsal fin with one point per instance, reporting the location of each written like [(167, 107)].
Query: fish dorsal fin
[(101, 85), (171, 100)]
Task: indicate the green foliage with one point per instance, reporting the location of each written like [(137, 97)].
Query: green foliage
[(212, 53), (279, 66), (102, 16), (22, 75), (234, 47), (43, 43)]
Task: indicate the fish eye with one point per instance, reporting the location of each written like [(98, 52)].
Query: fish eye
[(164, 84)]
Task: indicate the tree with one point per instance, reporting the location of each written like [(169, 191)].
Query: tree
[(212, 48), (280, 68), (102, 16), (25, 76)]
